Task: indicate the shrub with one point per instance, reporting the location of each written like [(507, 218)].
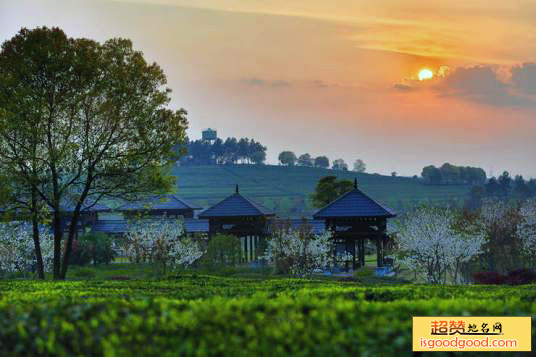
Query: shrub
[(92, 247), (222, 251), (515, 277), (489, 278), (83, 273), (521, 276)]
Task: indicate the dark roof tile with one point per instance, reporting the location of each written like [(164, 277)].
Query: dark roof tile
[(164, 202), (354, 204), (235, 205)]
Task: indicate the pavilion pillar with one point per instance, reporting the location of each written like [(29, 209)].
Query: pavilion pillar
[(358, 252), (363, 252), (353, 254), (379, 251), (246, 249), (380, 242), (251, 249), (361, 243)]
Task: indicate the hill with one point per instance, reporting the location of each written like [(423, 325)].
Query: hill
[(287, 190)]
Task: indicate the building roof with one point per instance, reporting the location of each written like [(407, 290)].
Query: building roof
[(160, 202), (67, 206), (236, 205), (354, 203), (119, 226), (191, 225), (88, 206)]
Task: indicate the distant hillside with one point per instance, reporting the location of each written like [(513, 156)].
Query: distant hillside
[(287, 189)]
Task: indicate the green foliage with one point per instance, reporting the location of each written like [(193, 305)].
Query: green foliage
[(451, 174), (219, 152), (83, 273), (96, 248), (322, 162), (287, 158), (204, 315), (222, 251), (328, 189)]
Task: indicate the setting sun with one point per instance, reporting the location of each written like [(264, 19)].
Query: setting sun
[(425, 73)]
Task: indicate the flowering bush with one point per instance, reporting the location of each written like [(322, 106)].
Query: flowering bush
[(299, 251), (17, 250), (429, 242), (162, 242)]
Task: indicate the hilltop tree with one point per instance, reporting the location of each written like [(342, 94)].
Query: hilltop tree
[(322, 162), (339, 164), (431, 174), (305, 160), (359, 166), (451, 174), (93, 117), (287, 158), (258, 157), (505, 182), (232, 151), (328, 189)]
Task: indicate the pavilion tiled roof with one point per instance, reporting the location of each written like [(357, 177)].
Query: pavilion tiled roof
[(88, 206), (191, 225), (162, 202), (354, 203), (119, 226), (236, 205)]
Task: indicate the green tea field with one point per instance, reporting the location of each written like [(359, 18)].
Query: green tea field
[(203, 315), (287, 190)]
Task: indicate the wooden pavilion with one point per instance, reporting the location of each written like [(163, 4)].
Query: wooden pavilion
[(354, 217), (241, 217)]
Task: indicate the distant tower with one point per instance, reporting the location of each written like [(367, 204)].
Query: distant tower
[(209, 135)]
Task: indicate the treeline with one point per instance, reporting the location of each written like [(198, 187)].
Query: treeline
[(451, 174), (288, 158), (504, 188), (219, 152)]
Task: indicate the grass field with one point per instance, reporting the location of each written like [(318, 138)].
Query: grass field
[(200, 315), (287, 190)]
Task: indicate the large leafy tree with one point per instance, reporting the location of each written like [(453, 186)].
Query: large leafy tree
[(322, 162), (359, 166), (287, 158), (328, 189), (305, 160), (81, 121)]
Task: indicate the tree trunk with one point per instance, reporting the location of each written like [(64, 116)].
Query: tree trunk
[(37, 244), (69, 245), (58, 235)]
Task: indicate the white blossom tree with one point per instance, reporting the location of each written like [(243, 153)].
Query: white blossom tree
[(301, 251), (162, 242), (526, 229), (17, 250), (429, 242)]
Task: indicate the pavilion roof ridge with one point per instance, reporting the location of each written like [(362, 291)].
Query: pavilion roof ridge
[(234, 201), (369, 207)]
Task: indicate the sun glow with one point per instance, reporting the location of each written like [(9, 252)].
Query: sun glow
[(425, 73)]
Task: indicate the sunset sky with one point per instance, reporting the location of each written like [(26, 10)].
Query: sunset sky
[(336, 77)]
